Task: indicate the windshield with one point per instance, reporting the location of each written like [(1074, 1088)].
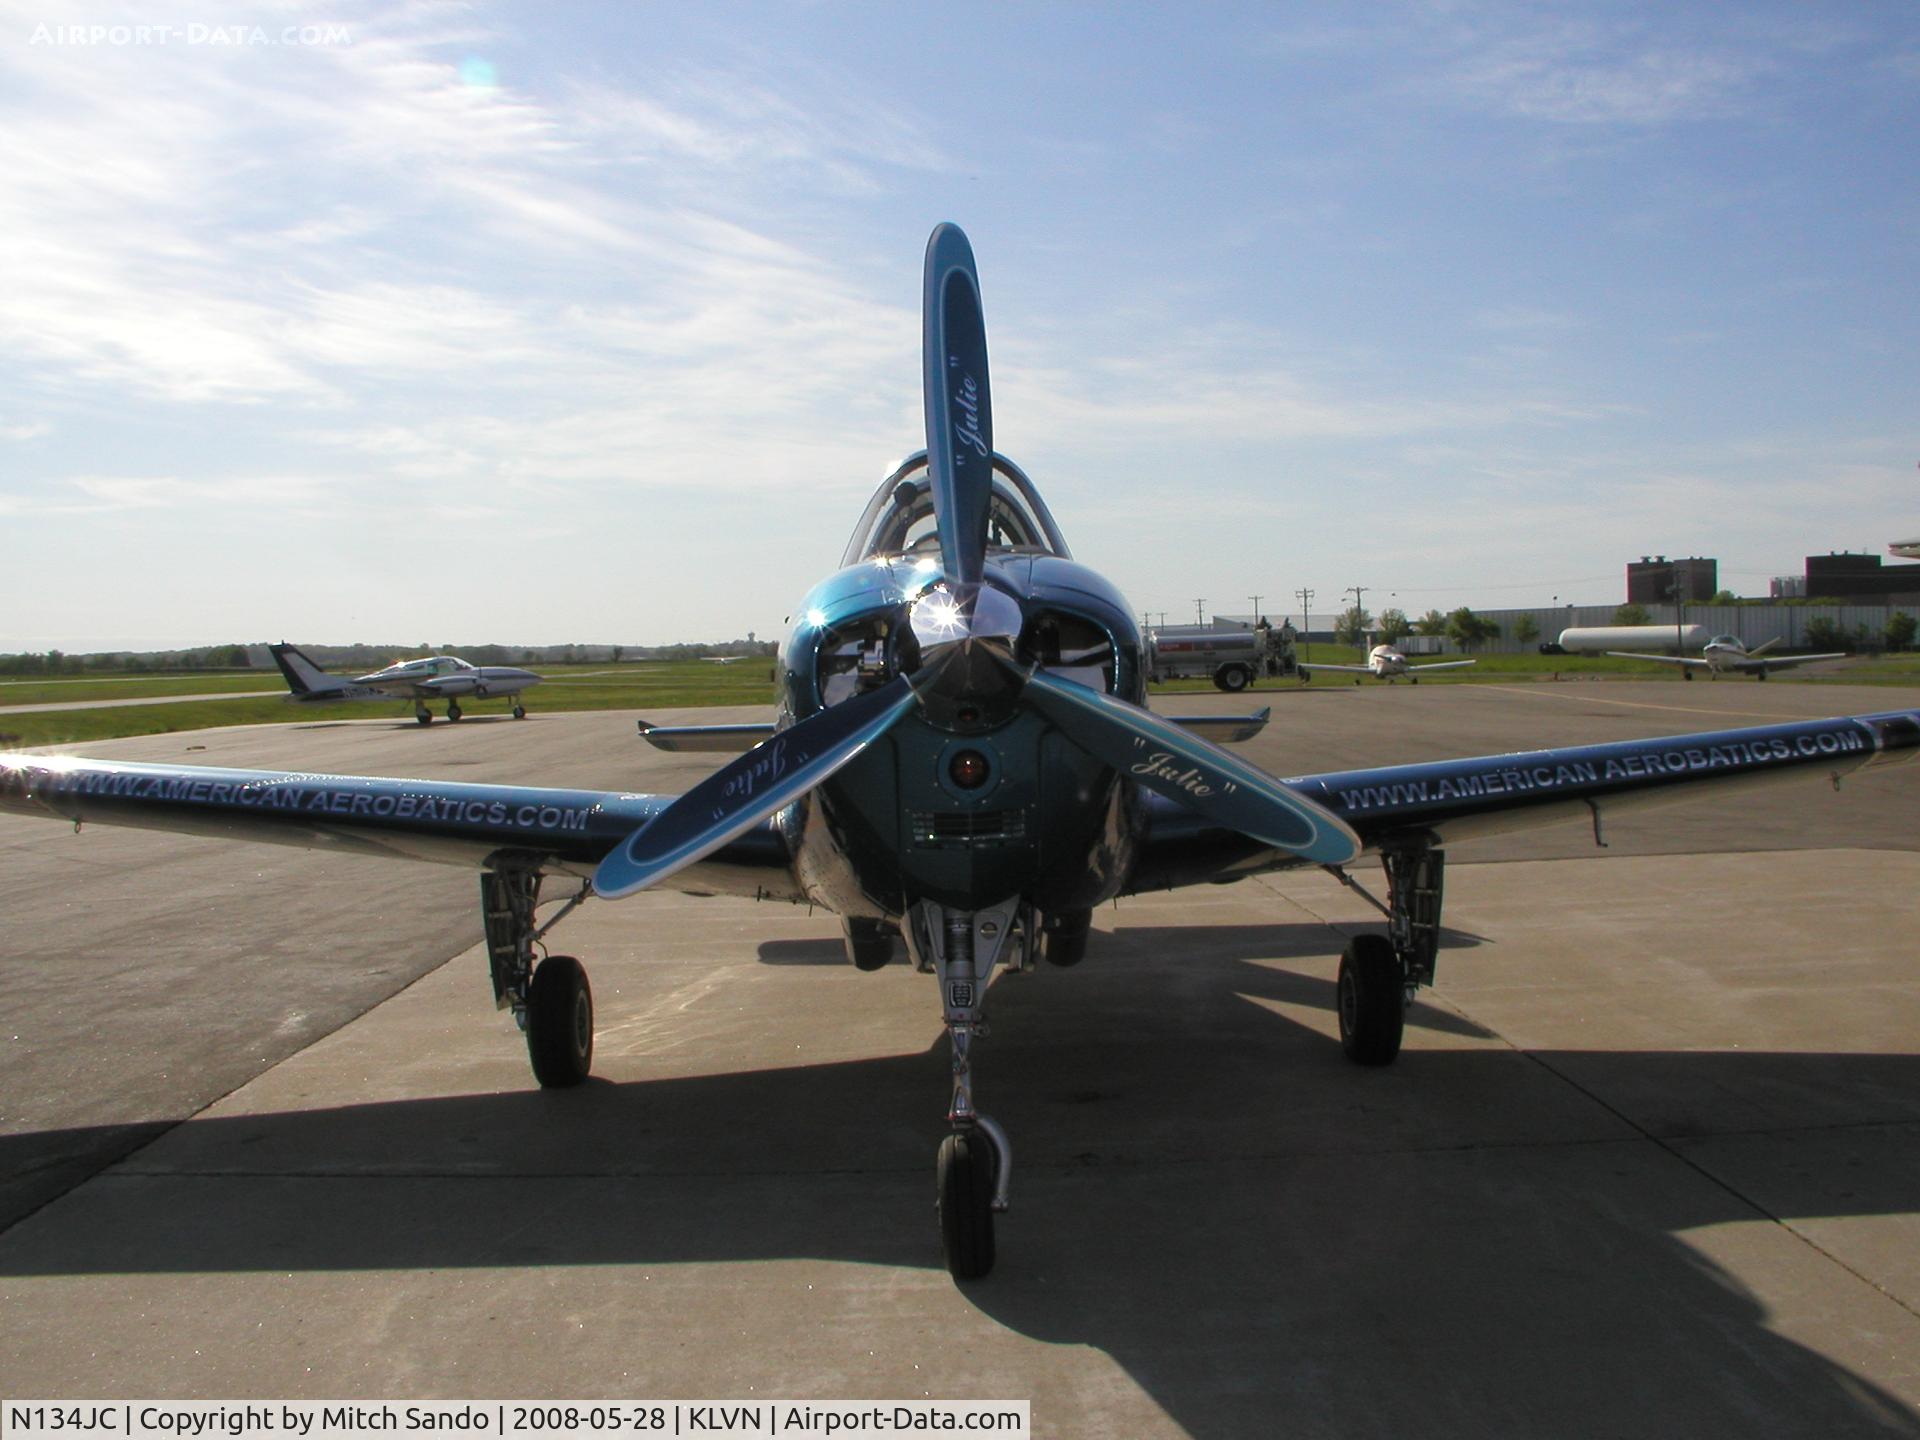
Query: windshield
[(899, 518)]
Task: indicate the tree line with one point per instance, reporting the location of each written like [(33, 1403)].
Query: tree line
[(1462, 626), (56, 663)]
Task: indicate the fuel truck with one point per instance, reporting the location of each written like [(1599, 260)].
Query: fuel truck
[(1232, 659)]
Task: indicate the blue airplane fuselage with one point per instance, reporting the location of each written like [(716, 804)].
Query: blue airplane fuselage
[(960, 801)]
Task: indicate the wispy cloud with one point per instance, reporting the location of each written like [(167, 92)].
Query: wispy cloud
[(1583, 75)]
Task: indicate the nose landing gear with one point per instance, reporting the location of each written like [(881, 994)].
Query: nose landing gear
[(975, 1163)]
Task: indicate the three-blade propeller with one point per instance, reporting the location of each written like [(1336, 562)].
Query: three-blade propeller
[(979, 624)]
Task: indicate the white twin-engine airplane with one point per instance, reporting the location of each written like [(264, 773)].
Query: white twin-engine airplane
[(1384, 662), (963, 759), (1726, 653), (438, 677)]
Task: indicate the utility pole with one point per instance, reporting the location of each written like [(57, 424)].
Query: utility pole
[(1306, 618), (1356, 591), (1198, 617), (1256, 608)]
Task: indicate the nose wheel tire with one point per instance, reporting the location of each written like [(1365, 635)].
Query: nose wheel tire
[(519, 712), (965, 1201), (560, 1022), (1372, 1001)]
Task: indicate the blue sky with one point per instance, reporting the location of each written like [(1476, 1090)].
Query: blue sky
[(545, 323)]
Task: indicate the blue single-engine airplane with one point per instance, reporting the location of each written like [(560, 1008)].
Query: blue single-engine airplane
[(963, 758)]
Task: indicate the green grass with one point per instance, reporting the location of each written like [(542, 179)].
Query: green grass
[(1512, 669), (39, 691), (1878, 670), (687, 684), (636, 685)]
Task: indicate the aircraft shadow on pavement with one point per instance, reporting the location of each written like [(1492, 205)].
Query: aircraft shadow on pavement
[(1265, 1238), (409, 724)]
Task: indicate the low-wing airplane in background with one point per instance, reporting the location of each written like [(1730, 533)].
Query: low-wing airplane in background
[(1727, 653), (962, 759), (1384, 662), (438, 677)]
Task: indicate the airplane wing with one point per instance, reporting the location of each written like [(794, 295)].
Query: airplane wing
[(553, 832), (1226, 729), (1663, 659), (735, 739), (1775, 662), (1441, 665), (1345, 669), (730, 739), (1447, 800), (569, 832)]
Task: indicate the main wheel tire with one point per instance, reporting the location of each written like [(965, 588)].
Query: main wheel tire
[(560, 1022), (519, 712), (869, 943), (423, 716), (1063, 938), (453, 710), (965, 1201), (1372, 1001), (1232, 678)]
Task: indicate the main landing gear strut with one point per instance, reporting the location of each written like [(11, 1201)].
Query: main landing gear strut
[(550, 1000), (1380, 974), (975, 1163)]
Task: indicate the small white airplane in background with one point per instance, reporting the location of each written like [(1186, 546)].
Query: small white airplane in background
[(1726, 652), (438, 677), (1386, 663)]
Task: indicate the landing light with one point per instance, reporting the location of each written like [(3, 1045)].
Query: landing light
[(969, 769)]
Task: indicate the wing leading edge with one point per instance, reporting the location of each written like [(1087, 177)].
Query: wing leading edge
[(1447, 800), (482, 826)]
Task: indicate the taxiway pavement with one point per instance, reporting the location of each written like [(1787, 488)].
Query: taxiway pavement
[(1649, 1163)]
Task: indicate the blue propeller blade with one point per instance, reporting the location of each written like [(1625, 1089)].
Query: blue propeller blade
[(959, 414), (745, 791), (1158, 754)]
